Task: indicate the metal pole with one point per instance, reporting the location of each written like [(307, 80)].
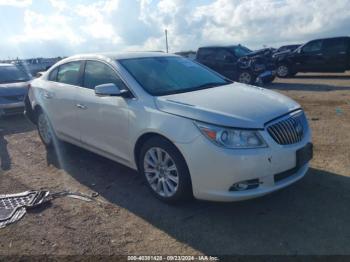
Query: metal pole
[(166, 40)]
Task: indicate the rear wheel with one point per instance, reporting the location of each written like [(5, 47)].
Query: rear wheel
[(165, 170), (245, 77), (44, 129), (284, 70)]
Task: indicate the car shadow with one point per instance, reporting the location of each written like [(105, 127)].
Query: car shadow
[(306, 87), (310, 217), (8, 126), (322, 76)]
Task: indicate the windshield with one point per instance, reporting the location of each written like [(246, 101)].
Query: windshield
[(240, 51), (11, 74), (169, 75)]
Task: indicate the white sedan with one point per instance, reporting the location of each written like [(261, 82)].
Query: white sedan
[(188, 130)]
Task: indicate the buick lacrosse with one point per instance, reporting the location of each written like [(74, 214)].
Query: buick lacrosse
[(188, 130)]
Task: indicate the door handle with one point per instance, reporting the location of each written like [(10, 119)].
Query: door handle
[(80, 106), (342, 53), (319, 54)]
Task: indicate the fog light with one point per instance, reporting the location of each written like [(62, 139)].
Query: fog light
[(245, 185)]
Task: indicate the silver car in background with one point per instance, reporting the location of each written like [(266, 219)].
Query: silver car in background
[(14, 85), (188, 130)]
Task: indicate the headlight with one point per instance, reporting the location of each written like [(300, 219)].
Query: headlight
[(231, 137)]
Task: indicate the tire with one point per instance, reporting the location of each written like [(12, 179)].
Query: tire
[(165, 171), (45, 130), (284, 70), (269, 81), (245, 77)]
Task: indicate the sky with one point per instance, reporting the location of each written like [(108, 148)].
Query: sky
[(49, 28)]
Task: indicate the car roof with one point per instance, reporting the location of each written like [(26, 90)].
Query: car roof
[(337, 37), (118, 56), (219, 46)]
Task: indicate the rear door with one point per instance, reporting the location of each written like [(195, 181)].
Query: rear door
[(206, 56), (59, 96), (311, 57), (104, 121), (226, 63), (335, 53)]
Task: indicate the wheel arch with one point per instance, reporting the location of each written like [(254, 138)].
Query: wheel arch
[(144, 138)]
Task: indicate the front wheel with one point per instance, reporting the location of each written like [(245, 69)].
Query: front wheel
[(44, 129), (284, 70), (245, 77), (165, 170)]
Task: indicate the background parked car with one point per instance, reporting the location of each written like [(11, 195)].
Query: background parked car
[(13, 89), (238, 63), (287, 48), (284, 50), (321, 55)]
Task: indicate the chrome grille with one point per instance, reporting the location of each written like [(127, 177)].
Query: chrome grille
[(289, 130)]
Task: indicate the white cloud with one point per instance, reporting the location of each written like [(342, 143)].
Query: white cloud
[(40, 28), (16, 3), (59, 5), (105, 25), (96, 23), (250, 22)]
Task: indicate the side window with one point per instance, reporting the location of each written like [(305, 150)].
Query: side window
[(206, 54), (313, 46), (334, 46), (53, 74), (69, 73), (97, 73), (223, 55)]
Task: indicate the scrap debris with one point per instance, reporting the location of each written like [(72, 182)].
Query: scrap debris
[(14, 206)]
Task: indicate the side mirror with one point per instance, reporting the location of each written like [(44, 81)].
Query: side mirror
[(110, 89), (39, 74)]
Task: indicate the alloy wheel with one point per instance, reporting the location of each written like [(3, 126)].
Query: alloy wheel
[(282, 71), (44, 129), (161, 172), (245, 78)]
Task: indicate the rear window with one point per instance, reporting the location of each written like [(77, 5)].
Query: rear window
[(335, 45), (53, 74), (12, 74), (313, 46), (69, 73), (206, 53)]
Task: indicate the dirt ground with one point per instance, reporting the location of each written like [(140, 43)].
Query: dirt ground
[(310, 217)]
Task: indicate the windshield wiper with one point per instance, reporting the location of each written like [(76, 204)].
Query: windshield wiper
[(210, 84)]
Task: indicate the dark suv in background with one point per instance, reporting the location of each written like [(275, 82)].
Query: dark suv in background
[(239, 63), (321, 55)]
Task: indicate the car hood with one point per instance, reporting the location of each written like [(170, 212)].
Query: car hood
[(260, 52), (233, 105), (13, 89)]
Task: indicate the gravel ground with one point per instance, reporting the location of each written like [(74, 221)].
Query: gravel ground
[(310, 217)]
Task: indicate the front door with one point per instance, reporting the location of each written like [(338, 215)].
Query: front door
[(310, 58), (104, 121)]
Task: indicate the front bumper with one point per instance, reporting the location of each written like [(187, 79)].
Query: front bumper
[(266, 76), (11, 108), (214, 170)]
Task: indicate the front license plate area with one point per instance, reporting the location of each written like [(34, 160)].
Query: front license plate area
[(304, 155)]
